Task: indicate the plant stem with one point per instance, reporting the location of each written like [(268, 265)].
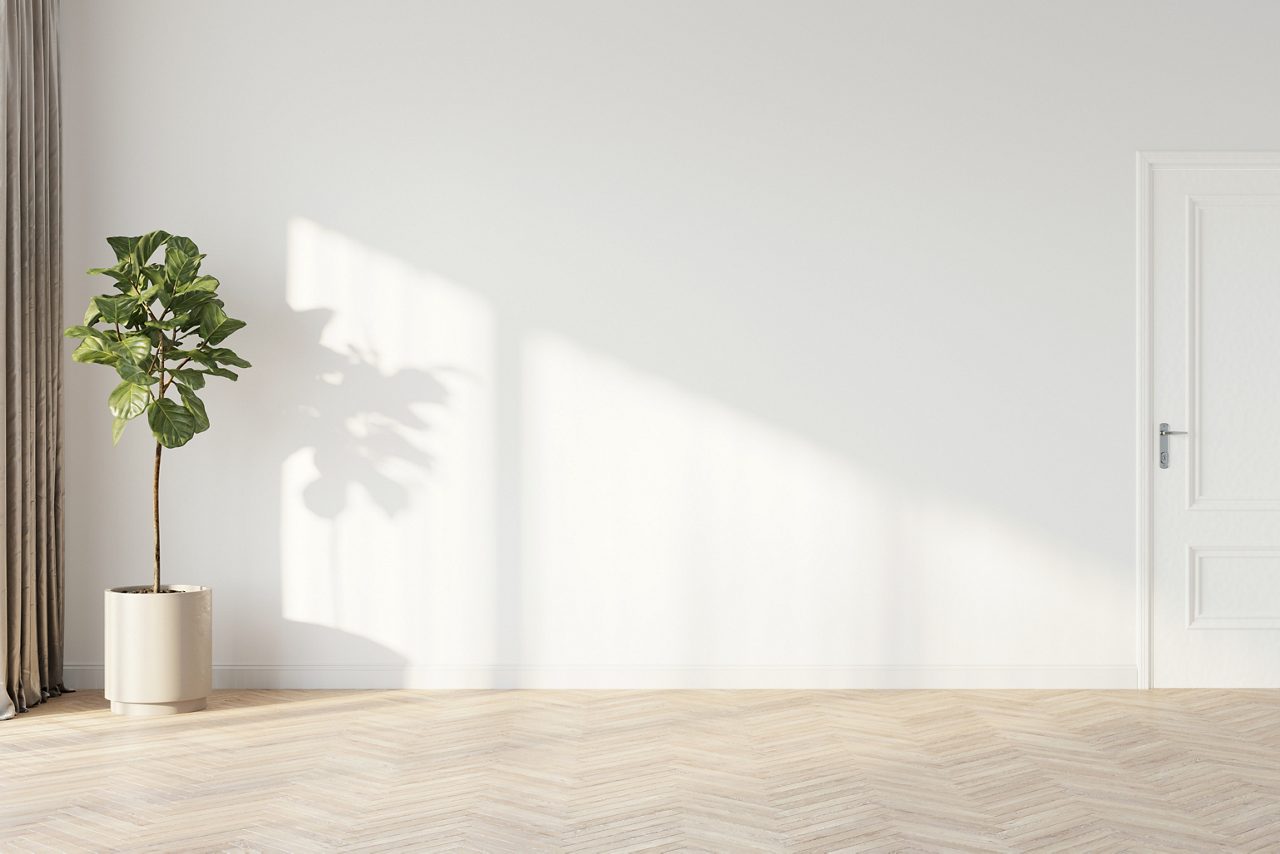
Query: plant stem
[(155, 511)]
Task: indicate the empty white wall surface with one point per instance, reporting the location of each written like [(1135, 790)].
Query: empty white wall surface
[(643, 343)]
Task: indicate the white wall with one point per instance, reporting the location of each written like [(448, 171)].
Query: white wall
[(646, 343)]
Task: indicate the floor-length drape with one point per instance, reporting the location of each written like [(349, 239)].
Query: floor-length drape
[(31, 605)]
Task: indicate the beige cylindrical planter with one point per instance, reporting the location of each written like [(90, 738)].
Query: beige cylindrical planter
[(159, 649)]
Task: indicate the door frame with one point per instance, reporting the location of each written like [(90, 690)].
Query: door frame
[(1148, 163)]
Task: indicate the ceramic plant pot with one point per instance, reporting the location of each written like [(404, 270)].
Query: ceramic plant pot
[(159, 649)]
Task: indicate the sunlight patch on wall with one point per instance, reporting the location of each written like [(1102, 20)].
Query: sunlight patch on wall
[(663, 528), (387, 511)]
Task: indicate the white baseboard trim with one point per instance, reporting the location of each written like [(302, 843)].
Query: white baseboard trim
[(340, 676)]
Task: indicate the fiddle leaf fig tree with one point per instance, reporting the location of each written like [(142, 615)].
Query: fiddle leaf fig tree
[(161, 331)]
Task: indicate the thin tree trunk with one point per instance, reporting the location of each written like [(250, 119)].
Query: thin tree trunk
[(155, 513)]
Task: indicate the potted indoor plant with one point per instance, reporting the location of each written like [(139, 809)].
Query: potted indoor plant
[(162, 332)]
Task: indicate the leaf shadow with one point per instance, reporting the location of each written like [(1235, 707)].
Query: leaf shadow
[(365, 425)]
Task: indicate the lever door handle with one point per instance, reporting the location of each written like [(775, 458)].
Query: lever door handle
[(1165, 433)]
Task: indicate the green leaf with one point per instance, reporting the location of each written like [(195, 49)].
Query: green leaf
[(188, 377), (91, 314), (222, 372), (185, 245), (128, 400), (215, 326), (211, 317), (130, 372), (175, 260), (123, 246), (158, 339), (147, 296), (224, 331), (117, 429), (172, 425), (147, 245), (204, 283), (195, 355), (97, 350), (135, 348), (188, 300), (227, 357), (124, 281), (210, 364), (195, 406), (115, 309), (154, 273), (116, 272), (180, 266), (83, 332)]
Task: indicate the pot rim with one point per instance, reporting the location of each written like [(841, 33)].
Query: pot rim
[(172, 588)]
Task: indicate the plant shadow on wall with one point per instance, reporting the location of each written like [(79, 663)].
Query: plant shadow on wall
[(358, 454), (365, 392), (356, 419)]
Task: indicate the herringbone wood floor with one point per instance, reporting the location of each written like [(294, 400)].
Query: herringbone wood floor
[(622, 771)]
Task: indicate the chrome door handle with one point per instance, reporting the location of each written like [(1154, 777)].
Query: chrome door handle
[(1165, 433)]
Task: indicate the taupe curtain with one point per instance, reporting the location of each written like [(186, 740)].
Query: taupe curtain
[(30, 357)]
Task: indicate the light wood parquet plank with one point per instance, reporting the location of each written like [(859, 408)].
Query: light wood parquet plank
[(589, 771)]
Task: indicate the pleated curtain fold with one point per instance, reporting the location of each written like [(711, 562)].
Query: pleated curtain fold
[(31, 588)]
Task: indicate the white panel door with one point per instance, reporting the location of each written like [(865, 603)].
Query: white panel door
[(1214, 275)]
